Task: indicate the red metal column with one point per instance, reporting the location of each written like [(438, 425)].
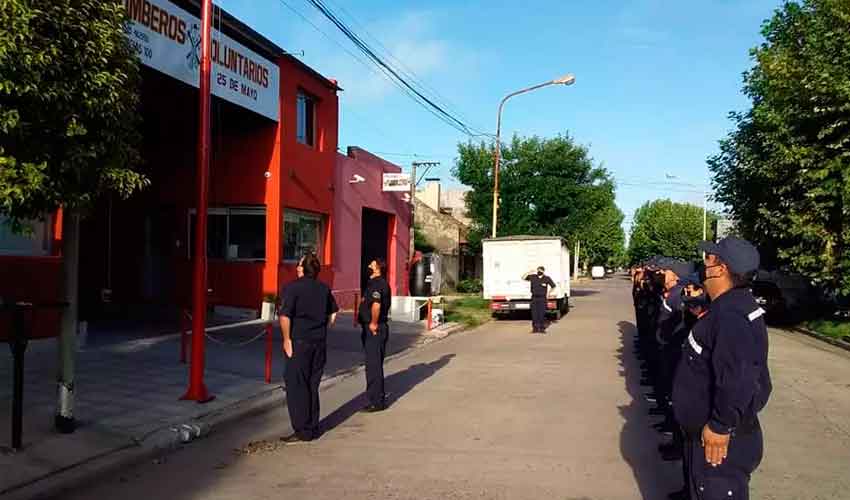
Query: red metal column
[(197, 389), (269, 348)]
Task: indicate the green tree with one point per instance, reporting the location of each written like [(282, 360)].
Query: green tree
[(603, 242), (68, 128), (669, 229), (547, 187), (784, 171), (420, 240)]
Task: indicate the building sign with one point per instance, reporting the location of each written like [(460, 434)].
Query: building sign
[(396, 182), (168, 39)]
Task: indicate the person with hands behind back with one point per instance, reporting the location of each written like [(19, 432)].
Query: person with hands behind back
[(307, 310), (373, 316)]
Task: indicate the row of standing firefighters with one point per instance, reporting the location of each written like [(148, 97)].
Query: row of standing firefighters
[(703, 344)]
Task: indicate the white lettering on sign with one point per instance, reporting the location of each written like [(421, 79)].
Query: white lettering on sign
[(168, 39)]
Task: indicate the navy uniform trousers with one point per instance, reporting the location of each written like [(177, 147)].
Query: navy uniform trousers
[(303, 373), (375, 347), (731, 479)]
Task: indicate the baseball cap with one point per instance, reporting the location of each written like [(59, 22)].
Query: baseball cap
[(681, 268), (690, 279), (739, 255)]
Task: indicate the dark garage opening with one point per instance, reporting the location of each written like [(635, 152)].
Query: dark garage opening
[(374, 241)]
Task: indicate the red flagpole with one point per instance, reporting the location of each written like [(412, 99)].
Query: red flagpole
[(197, 389)]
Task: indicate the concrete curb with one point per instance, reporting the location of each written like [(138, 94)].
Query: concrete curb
[(829, 340), (168, 439)]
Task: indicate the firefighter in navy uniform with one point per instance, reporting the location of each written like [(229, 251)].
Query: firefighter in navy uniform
[(308, 308), (722, 381), (695, 304), (373, 316), (540, 284), (671, 319)]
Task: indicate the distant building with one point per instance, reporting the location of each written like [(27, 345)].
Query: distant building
[(446, 227)]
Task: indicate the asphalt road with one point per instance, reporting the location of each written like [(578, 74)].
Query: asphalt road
[(497, 413)]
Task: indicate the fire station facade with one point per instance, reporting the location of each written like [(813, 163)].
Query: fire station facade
[(273, 183)]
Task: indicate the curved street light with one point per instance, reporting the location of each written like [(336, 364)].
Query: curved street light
[(568, 79)]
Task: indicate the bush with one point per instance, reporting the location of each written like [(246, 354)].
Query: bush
[(470, 286)]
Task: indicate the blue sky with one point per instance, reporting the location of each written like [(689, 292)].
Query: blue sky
[(655, 79)]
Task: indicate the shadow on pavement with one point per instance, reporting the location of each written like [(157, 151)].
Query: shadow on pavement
[(582, 293), (397, 386), (638, 441)]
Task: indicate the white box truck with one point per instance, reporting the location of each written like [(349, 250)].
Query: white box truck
[(507, 259)]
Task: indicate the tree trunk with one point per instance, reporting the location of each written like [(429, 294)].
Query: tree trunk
[(64, 421)]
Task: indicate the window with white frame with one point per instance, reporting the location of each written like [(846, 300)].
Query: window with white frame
[(237, 233), (34, 241), (305, 119), (302, 233)]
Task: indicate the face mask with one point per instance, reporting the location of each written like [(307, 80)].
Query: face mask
[(703, 277)]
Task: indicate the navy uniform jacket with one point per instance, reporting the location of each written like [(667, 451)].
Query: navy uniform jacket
[(670, 316), (538, 285), (308, 303), (377, 290), (723, 379)]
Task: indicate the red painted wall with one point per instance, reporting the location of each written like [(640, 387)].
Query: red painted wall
[(307, 172), (350, 199)]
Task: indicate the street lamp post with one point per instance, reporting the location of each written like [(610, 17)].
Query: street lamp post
[(565, 80)]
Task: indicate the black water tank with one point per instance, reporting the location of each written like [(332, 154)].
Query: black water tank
[(420, 277)]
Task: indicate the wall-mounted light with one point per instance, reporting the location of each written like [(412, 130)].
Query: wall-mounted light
[(356, 179)]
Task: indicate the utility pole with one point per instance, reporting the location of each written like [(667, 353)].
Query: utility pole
[(414, 182), (64, 420), (576, 259), (197, 390)]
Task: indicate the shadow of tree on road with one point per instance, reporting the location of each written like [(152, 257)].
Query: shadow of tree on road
[(638, 441), (397, 386)]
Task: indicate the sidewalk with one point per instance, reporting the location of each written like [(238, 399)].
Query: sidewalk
[(127, 394)]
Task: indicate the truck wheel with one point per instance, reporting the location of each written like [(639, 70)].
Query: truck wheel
[(558, 314), (566, 305)]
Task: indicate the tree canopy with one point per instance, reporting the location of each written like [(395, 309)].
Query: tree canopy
[(547, 187), (784, 171), (669, 229), (68, 97)]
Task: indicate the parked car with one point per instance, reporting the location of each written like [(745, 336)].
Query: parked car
[(785, 297), (597, 272)]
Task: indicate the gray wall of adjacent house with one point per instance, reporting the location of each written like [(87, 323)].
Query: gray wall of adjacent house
[(444, 233)]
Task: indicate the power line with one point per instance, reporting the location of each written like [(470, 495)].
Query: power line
[(371, 68), (393, 74), (413, 155), (404, 69)]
